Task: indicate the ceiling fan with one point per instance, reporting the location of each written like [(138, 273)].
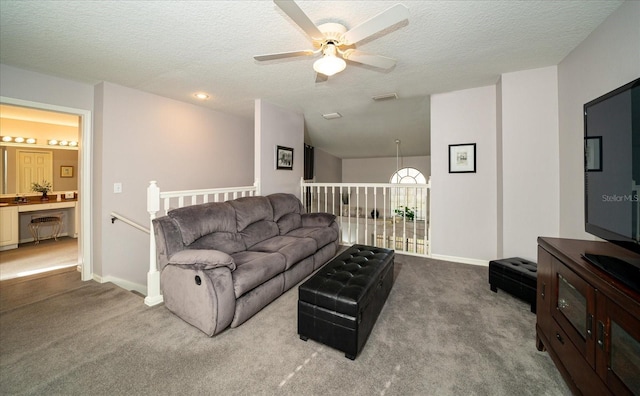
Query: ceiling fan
[(336, 43)]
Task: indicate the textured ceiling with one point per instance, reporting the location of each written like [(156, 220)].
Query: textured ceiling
[(176, 48)]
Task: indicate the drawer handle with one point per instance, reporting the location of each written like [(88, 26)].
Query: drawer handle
[(559, 337)]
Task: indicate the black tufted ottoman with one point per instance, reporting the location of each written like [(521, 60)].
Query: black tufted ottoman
[(516, 276), (340, 303)]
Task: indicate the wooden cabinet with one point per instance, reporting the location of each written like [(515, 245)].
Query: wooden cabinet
[(9, 227), (587, 320)]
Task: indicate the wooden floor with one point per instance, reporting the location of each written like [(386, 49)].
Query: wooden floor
[(26, 290), (30, 258)]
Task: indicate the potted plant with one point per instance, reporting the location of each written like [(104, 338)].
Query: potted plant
[(43, 188), (406, 212)]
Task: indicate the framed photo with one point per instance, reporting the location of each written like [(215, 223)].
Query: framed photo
[(66, 171), (284, 158), (593, 153), (462, 158)]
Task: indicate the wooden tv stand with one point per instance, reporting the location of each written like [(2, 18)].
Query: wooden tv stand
[(588, 321)]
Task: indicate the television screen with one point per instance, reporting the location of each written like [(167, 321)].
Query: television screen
[(612, 166)]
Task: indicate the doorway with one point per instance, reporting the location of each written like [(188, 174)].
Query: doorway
[(85, 133)]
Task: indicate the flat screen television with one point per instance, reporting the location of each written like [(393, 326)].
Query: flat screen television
[(612, 176)]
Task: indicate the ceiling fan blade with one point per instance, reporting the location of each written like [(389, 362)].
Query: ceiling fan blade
[(321, 78), (365, 58), (383, 20), (282, 55), (300, 18)]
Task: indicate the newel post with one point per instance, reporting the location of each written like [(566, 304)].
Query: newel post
[(153, 276)]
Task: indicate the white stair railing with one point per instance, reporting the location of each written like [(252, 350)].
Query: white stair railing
[(376, 213)]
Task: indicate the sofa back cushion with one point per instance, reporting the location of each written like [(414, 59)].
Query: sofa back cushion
[(286, 211), (197, 221), (254, 219)]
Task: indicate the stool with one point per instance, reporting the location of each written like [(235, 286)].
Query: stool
[(516, 276), (37, 221), (339, 305)]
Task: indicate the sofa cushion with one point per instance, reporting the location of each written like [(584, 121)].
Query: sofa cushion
[(198, 220), (255, 268), (317, 219), (288, 222), (322, 235), (286, 211), (258, 232), (203, 259), (284, 204), (228, 242), (293, 249), (250, 210)]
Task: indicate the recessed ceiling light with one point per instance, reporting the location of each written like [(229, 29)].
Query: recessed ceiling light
[(201, 96), (331, 116)]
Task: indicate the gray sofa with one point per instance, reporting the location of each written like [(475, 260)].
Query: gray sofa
[(223, 262)]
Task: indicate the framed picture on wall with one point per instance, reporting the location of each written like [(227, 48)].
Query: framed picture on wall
[(284, 158), (66, 171), (462, 158)]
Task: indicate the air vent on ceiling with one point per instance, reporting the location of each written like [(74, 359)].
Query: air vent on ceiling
[(331, 116), (388, 96)]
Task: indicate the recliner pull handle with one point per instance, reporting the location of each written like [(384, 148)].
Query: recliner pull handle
[(198, 280)]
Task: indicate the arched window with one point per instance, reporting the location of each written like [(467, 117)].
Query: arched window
[(409, 198)]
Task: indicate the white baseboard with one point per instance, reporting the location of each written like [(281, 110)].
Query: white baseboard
[(125, 284), (463, 260)]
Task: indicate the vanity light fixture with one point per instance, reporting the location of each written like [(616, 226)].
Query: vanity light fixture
[(18, 139), (56, 142)]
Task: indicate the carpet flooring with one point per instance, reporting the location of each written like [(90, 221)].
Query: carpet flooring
[(441, 332)]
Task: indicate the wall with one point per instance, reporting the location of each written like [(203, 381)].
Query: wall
[(142, 137), (41, 131), (327, 168), (380, 170), (607, 59), (463, 205), (275, 126), (26, 85), (529, 175)]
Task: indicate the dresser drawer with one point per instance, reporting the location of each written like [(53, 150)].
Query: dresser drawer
[(580, 371)]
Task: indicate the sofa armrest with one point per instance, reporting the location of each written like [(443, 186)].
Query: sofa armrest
[(203, 259), (317, 219)]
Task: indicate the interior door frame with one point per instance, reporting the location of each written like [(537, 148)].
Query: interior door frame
[(85, 195)]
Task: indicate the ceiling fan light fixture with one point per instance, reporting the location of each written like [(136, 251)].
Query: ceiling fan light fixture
[(329, 64)]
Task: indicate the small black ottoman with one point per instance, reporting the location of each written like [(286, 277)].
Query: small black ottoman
[(340, 303), (516, 276)]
